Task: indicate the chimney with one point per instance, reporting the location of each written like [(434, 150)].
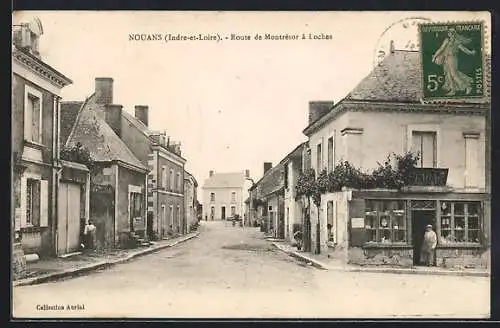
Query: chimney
[(247, 173), (104, 90), (114, 118), (391, 46), (267, 166), (319, 108), (210, 173), (141, 113)]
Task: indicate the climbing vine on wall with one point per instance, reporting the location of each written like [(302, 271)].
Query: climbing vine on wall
[(393, 173)]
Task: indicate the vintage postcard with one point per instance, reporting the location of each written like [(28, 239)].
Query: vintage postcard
[(251, 164)]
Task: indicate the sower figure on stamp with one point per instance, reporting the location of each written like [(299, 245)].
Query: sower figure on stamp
[(446, 55), (429, 245)]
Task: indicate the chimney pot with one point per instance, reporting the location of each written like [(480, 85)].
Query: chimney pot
[(210, 173), (104, 90), (247, 173), (318, 109), (141, 113), (267, 166), (391, 46), (114, 118)]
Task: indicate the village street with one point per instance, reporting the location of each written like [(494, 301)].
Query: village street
[(235, 272)]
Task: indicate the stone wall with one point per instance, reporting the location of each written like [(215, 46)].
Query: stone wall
[(18, 262), (461, 258), (381, 256)]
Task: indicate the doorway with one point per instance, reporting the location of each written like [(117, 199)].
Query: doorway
[(419, 220), (223, 212), (68, 225)]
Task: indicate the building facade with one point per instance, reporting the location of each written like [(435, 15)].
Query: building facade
[(224, 195), (44, 222), (118, 179), (383, 115), (191, 199), (165, 197)]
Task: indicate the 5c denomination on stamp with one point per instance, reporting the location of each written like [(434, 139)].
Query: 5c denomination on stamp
[(452, 59)]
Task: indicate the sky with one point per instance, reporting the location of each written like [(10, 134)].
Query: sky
[(232, 104)]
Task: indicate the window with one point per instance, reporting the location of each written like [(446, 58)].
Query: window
[(171, 222), (135, 205), (285, 176), (212, 212), (233, 210), (329, 221), (212, 197), (163, 177), (385, 221), (424, 143), (460, 222), (33, 115), (319, 155), (33, 202), (330, 154), (233, 197), (178, 218), (179, 188), (172, 180)]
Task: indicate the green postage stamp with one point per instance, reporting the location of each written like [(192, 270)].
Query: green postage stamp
[(452, 60)]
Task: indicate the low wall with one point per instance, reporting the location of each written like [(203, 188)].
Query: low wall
[(381, 256), (460, 258)]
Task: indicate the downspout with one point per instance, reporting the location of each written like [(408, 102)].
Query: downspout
[(56, 128), (145, 212), (156, 215)]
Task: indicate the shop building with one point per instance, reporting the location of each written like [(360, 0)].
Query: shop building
[(450, 189)]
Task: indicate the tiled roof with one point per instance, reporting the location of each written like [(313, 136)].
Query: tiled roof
[(225, 180), (397, 78), (69, 113), (92, 131), (135, 122)]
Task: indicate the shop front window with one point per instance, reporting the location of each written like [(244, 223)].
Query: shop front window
[(385, 221), (460, 222)]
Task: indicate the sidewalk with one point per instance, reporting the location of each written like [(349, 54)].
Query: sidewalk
[(321, 261), (57, 268)]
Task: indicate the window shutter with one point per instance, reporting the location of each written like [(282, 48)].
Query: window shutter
[(44, 203), (24, 184)]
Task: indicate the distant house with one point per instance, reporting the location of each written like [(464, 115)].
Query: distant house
[(224, 194), (50, 195), (118, 182), (190, 199)]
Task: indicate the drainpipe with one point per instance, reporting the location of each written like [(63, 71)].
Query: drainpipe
[(56, 170), (145, 212)]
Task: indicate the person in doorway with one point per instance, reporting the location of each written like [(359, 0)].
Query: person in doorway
[(429, 245), (90, 235)]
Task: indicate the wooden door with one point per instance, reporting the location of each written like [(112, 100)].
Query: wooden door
[(68, 228)]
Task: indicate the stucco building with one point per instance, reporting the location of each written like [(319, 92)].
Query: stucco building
[(49, 195), (190, 199), (384, 114), (224, 194), (118, 181), (163, 157)]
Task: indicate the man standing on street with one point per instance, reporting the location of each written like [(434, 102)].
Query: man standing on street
[(429, 245)]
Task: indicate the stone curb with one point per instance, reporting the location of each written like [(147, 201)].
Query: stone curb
[(98, 265), (320, 265)]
